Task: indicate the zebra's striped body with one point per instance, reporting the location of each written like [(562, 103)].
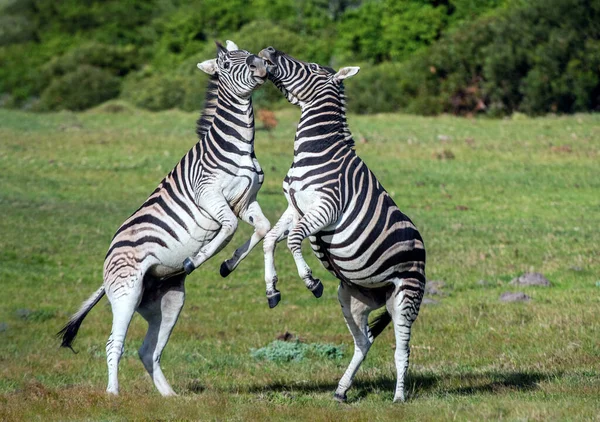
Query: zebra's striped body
[(189, 217), (355, 228)]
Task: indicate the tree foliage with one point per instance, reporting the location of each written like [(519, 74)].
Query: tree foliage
[(421, 56)]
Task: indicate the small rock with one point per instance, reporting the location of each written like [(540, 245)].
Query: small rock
[(434, 287), (427, 301), (444, 155), (484, 283), (531, 279), (3, 327), (287, 336), (576, 268), (444, 138), (514, 297), (23, 313)]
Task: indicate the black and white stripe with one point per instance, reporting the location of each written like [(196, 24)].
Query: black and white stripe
[(355, 228), (190, 216)]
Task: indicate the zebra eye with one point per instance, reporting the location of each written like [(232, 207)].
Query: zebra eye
[(226, 65), (314, 67)]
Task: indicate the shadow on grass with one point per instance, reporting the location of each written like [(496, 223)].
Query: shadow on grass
[(419, 385)]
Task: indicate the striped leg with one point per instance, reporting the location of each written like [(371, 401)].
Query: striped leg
[(312, 222), (254, 216), (356, 308), (124, 299), (161, 308), (218, 208), (403, 305), (275, 235)]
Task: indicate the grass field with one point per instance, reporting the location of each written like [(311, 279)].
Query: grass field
[(492, 198)]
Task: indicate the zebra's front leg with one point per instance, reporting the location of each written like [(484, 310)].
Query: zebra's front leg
[(310, 224), (274, 236), (218, 208), (254, 216)]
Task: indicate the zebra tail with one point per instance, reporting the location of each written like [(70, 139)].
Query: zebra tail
[(69, 331), (379, 323)]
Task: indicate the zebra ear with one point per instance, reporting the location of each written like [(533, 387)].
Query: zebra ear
[(231, 46), (345, 72), (221, 51), (209, 66)]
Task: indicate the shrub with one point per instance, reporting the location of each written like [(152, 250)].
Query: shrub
[(375, 89), (82, 88), (118, 60), (15, 29), (538, 57), (157, 92)]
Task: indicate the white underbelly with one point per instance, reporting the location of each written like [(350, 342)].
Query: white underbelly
[(170, 260)]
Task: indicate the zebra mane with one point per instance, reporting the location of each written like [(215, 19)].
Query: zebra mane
[(210, 106), (348, 140)]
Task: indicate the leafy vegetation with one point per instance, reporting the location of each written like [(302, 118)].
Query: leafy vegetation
[(515, 195), (417, 56), (286, 351)]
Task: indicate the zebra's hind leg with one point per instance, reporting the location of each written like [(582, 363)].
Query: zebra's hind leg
[(254, 216), (160, 306), (124, 298), (356, 307), (275, 235), (403, 305)]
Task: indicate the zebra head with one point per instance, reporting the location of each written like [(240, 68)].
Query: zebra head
[(303, 82), (239, 71)]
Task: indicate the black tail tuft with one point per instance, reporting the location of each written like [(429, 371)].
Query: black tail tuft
[(379, 323), (69, 331)]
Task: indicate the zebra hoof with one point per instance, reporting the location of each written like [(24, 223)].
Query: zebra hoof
[(188, 266), (318, 289), (273, 299), (340, 398), (224, 270)]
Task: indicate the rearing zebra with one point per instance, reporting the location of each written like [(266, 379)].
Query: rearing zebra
[(190, 216), (355, 228)]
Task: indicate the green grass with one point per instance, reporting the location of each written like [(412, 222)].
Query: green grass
[(519, 195)]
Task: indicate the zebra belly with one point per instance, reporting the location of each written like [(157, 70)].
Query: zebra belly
[(170, 259), (365, 264)]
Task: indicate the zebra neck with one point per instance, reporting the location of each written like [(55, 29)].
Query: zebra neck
[(323, 125), (233, 123), (210, 106)]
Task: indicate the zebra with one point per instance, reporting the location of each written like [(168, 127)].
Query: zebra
[(189, 217), (355, 228)]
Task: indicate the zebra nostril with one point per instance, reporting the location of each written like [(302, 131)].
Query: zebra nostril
[(270, 49), (252, 67)]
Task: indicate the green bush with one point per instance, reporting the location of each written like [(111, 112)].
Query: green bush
[(15, 29), (537, 57), (118, 60), (375, 89), (455, 56), (82, 88), (154, 93), (164, 91)]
